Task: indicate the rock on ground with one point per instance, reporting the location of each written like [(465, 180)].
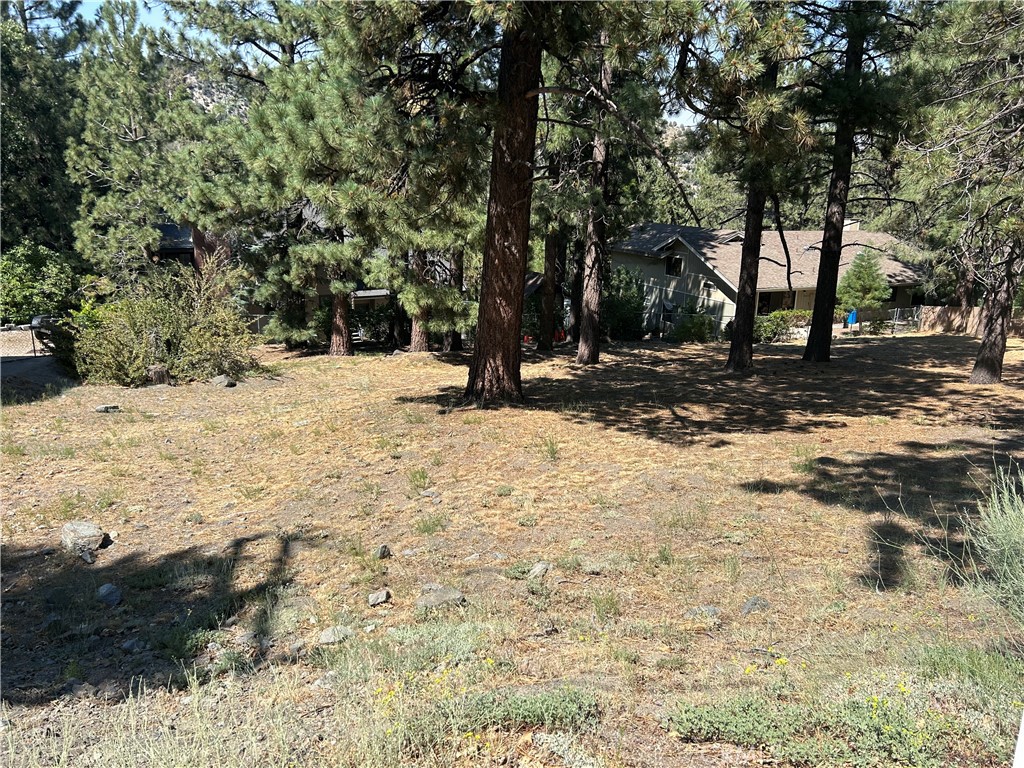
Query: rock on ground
[(82, 538), (438, 596)]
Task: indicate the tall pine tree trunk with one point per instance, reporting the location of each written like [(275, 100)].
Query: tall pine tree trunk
[(420, 340), (576, 294), (546, 336), (453, 337), (995, 321), (741, 348), (819, 338), (589, 350), (494, 374), (341, 332)]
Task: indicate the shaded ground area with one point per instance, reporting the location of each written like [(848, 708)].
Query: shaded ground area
[(26, 378), (681, 399), (61, 638)]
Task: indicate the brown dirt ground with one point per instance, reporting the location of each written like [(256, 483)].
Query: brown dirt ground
[(654, 481)]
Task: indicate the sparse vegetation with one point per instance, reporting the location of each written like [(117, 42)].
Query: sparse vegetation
[(279, 546)]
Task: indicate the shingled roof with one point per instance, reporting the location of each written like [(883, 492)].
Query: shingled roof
[(721, 249)]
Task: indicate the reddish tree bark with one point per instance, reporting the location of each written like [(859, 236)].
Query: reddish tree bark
[(494, 374), (420, 338), (341, 332), (546, 337)]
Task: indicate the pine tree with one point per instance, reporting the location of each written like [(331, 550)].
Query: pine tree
[(37, 92), (858, 99), (734, 76), (122, 158), (965, 165), (863, 286)]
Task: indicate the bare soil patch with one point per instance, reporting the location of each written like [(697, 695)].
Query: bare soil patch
[(244, 521)]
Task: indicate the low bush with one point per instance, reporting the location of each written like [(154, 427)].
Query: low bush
[(692, 327), (998, 538), (871, 731), (622, 306), (176, 318), (779, 325)]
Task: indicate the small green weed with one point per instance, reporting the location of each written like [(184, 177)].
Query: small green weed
[(664, 556), (606, 606), (8, 448), (419, 480), (430, 524), (732, 568), (527, 521), (550, 447), (806, 460), (504, 490)]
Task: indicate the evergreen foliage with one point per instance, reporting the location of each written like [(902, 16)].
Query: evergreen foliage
[(123, 159), (863, 286), (37, 197)]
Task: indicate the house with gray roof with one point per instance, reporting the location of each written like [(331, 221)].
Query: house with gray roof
[(685, 267)]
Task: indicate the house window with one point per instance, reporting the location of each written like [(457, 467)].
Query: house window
[(673, 267)]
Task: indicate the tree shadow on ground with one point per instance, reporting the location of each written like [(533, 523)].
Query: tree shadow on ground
[(919, 495), (683, 396), (28, 379), (60, 638)]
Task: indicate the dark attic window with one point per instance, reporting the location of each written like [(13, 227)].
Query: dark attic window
[(673, 267)]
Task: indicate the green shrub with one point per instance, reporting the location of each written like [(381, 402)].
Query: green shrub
[(871, 731), (35, 280), (769, 329), (177, 318), (998, 537), (779, 325), (622, 305), (692, 326)]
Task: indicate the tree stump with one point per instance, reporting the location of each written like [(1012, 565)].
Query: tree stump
[(158, 374)]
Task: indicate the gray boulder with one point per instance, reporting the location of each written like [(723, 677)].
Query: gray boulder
[(438, 596), (109, 595), (335, 635), (379, 598), (82, 538), (756, 604)]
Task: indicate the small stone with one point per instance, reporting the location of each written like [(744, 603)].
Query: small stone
[(82, 538), (296, 648), (247, 640), (111, 408), (335, 635), (379, 598), (756, 604), (133, 645), (325, 681), (223, 381), (382, 552), (438, 596), (704, 612), (109, 595), (540, 570), (430, 493), (301, 423), (82, 690)]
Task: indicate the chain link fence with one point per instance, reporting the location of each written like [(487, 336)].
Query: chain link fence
[(20, 341)]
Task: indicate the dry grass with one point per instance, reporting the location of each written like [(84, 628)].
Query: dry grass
[(246, 519)]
